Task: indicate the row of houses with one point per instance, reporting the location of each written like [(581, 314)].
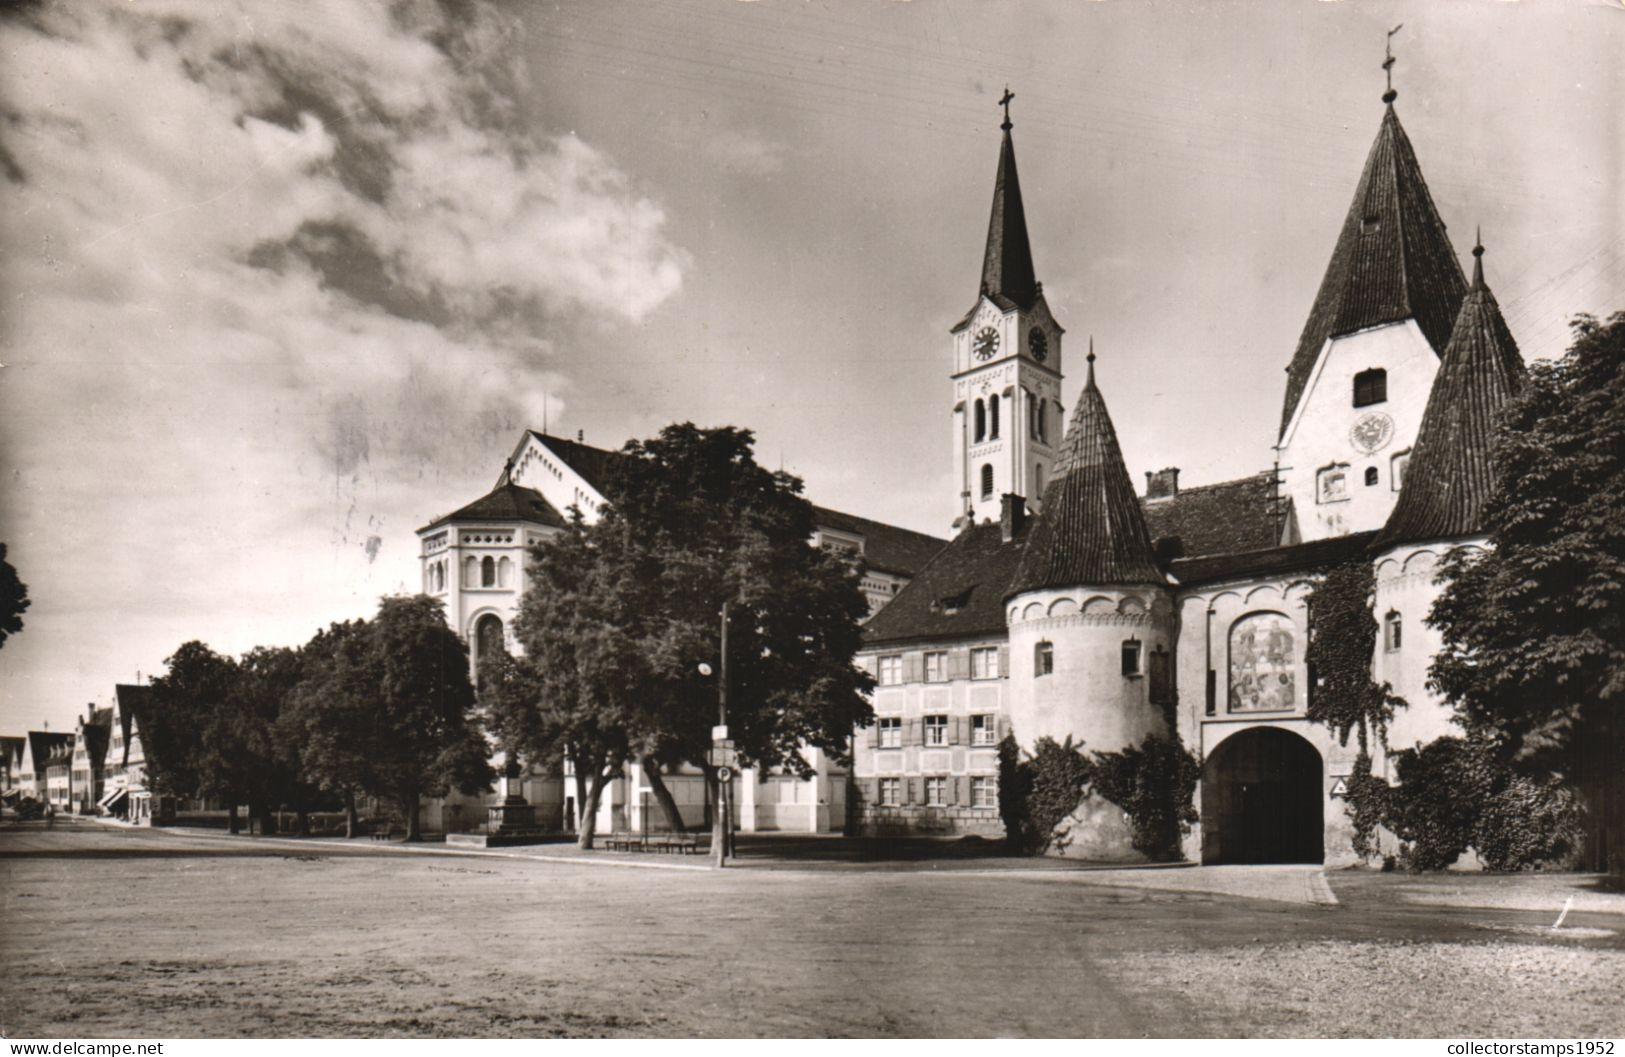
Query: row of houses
[(99, 768)]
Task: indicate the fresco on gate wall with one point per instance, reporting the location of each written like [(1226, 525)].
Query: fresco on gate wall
[(1261, 664)]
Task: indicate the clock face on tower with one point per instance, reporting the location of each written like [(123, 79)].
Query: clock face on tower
[(986, 343), (1038, 344)]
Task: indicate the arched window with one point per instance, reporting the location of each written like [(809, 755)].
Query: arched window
[(471, 572), (1370, 387), (505, 573), (1043, 421), (1032, 415), (1263, 662), (993, 417), (488, 638), (488, 572), (1370, 476), (987, 480), (981, 421), (1038, 479), (440, 576)]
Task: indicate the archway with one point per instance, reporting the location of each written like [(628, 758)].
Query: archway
[(1262, 800)]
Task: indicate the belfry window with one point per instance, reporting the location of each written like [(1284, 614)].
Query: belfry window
[(981, 421), (1043, 422), (1370, 387), (1038, 479), (1032, 415), (987, 480), (993, 417)]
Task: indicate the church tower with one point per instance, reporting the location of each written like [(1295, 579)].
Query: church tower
[(1007, 365), (1357, 385)]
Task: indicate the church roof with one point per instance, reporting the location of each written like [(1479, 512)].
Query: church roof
[(886, 548), (1393, 261), (958, 594), (506, 502), (1224, 518), (1449, 474), (1008, 279), (595, 465), (1092, 530)]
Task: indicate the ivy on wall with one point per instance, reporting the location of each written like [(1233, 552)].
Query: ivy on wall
[(1154, 783), (1342, 640), (1455, 793)]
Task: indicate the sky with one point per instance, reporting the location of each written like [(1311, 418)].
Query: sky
[(282, 283)]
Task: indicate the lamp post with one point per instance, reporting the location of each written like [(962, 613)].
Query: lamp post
[(721, 756)]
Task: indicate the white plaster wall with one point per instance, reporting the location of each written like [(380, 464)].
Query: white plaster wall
[(1319, 434), (1086, 697), (1405, 585)]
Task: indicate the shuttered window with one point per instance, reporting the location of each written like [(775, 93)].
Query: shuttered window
[(891, 670), (984, 791), (891, 732), (983, 730), (936, 667), (890, 794), (984, 662), (936, 791), (936, 730)]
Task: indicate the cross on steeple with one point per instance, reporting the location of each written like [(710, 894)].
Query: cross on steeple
[(1005, 102), (1388, 64)]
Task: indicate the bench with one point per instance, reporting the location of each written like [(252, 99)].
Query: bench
[(660, 843)]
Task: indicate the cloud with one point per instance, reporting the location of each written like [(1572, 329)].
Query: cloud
[(280, 281)]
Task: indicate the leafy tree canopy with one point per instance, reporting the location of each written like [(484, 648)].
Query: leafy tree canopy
[(622, 612), (1534, 627), (13, 599)]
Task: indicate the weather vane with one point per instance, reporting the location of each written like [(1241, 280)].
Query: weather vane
[(1388, 64), (1005, 102)]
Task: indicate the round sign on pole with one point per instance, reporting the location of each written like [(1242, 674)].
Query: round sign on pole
[(725, 774)]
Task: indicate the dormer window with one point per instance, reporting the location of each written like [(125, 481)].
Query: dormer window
[(1370, 387), (1370, 225)]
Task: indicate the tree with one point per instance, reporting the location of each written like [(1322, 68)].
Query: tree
[(191, 740), (622, 613), (13, 599), (327, 720), (268, 679), (418, 703), (1534, 627)]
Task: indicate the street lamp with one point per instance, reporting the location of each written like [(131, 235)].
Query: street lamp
[(721, 752)]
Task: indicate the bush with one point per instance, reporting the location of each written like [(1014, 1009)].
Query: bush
[(1454, 793), (1154, 783)]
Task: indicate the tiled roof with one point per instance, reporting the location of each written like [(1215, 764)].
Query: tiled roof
[(595, 465), (506, 502), (130, 698), (1449, 474), (1300, 557), (1092, 530), (42, 744), (1223, 518), (1008, 278), (97, 734), (959, 594), (1393, 261), (886, 548)]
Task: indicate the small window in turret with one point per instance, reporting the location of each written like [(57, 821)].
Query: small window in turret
[(1370, 387), (1044, 659), (1131, 657), (1393, 632)]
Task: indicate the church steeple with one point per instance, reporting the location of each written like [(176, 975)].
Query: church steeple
[(1393, 260), (1007, 265), (1449, 475), (1092, 531)]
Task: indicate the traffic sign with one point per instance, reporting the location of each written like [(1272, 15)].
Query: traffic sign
[(725, 774), (722, 757), (1340, 788), (719, 732)]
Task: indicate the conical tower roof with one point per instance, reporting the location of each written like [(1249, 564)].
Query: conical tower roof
[(1092, 531), (1449, 475), (1393, 261)]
